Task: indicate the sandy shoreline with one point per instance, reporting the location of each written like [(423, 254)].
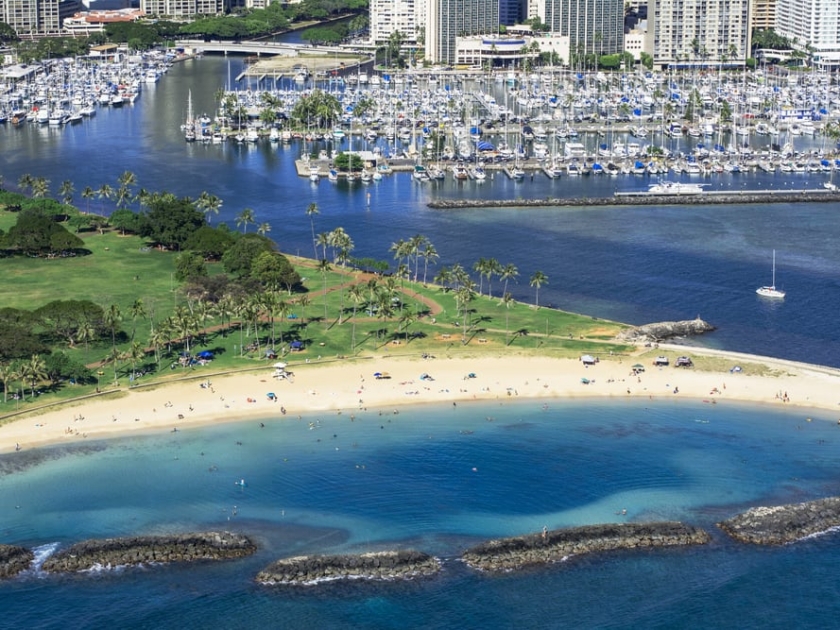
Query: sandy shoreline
[(350, 385)]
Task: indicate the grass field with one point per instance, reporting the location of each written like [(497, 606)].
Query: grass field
[(122, 269)]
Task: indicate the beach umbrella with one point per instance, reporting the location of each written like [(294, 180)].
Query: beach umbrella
[(639, 366)]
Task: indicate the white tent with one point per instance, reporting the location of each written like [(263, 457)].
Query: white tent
[(588, 359)]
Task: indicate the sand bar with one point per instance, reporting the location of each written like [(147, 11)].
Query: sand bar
[(350, 385)]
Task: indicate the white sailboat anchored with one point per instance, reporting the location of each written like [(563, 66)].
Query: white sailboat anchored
[(771, 291)]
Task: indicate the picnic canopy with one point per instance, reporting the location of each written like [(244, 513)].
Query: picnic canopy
[(280, 365), (587, 359), (205, 354), (639, 367)]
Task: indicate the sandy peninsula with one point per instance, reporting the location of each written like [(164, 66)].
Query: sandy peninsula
[(350, 385)]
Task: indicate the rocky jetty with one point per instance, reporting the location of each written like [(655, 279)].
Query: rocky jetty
[(149, 549), (13, 560), (666, 330), (509, 554), (641, 199), (381, 565), (783, 523)]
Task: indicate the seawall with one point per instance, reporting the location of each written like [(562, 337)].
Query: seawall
[(643, 199)]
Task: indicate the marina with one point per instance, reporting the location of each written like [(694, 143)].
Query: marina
[(432, 477)]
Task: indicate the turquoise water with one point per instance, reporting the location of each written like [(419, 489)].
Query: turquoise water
[(437, 479)]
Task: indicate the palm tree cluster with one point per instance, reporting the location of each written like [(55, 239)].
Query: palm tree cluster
[(317, 108)]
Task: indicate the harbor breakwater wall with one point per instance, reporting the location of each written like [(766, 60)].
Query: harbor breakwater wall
[(641, 199), (508, 554), (381, 565), (149, 549), (783, 523)]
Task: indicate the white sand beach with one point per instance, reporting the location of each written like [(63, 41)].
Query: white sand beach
[(349, 385)]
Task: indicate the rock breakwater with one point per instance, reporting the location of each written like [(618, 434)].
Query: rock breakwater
[(720, 198), (783, 523), (381, 565), (13, 560), (509, 554), (666, 330), (149, 549)]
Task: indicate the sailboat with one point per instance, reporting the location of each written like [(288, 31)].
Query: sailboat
[(189, 125), (771, 291)]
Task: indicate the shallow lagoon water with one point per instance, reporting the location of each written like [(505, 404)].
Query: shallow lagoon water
[(437, 478)]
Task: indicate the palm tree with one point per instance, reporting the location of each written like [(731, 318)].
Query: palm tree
[(137, 309), (185, 325), (208, 203), (157, 340), (33, 371), (225, 309), (112, 319), (134, 354), (322, 240), (509, 272), (25, 181), (105, 191), (507, 301), (494, 268), (463, 296), (245, 218), (113, 357), (429, 253), (311, 211), (40, 187), (86, 332), (324, 267), (264, 228), (88, 194), (356, 294), (66, 191), (8, 374), (537, 280)]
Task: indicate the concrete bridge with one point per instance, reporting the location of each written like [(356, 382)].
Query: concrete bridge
[(257, 48)]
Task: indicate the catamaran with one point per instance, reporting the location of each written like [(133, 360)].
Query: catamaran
[(771, 291)]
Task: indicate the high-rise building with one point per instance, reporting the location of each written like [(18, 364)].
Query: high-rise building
[(510, 12), (592, 26), (448, 19), (405, 16), (182, 8), (698, 32), (763, 14), (812, 24), (31, 17)]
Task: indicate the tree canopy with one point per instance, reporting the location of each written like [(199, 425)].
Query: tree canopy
[(171, 221)]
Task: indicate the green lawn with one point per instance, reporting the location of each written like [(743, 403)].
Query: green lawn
[(122, 269)]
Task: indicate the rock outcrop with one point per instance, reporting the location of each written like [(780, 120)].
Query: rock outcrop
[(508, 554), (149, 549), (13, 560), (666, 330), (380, 565), (783, 523)]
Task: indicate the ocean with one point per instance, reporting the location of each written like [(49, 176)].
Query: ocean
[(437, 479), (407, 480)]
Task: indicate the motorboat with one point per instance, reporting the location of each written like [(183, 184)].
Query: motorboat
[(675, 188)]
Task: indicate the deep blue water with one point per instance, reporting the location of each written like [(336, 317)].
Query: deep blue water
[(632, 264), (437, 479)]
